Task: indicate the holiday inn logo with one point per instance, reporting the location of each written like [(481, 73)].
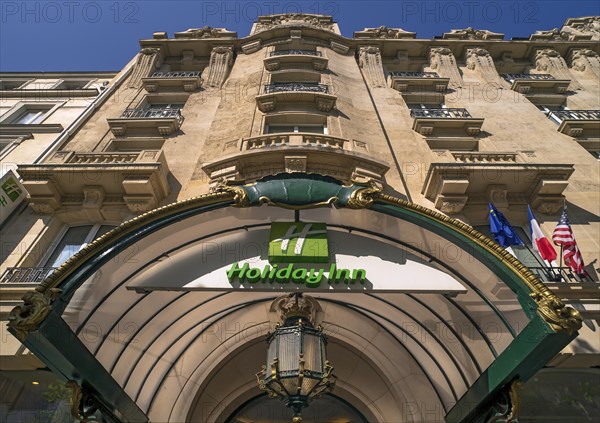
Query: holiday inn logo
[(298, 242), (294, 244)]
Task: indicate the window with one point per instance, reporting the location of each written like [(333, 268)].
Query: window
[(73, 240), (277, 129), (547, 110), (156, 110), (73, 84), (30, 116), (28, 113), (525, 252), (14, 84)]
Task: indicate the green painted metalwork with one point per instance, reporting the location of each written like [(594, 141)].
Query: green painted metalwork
[(528, 352)]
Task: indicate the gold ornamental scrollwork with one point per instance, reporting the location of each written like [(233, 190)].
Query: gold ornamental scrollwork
[(240, 196), (28, 316), (556, 314), (363, 198), (83, 405)]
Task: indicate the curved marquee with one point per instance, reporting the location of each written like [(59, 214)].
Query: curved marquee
[(185, 355)]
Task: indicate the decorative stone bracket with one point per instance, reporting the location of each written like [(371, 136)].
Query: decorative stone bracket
[(369, 59), (587, 61), (148, 60), (442, 60), (220, 63), (551, 62), (480, 61)]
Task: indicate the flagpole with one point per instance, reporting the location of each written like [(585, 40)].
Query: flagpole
[(537, 258)]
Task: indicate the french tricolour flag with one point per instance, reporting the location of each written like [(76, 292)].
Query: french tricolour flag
[(540, 242)]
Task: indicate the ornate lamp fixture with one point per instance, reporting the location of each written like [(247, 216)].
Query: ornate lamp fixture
[(297, 370)]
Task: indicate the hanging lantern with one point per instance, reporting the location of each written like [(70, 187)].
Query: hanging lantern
[(297, 369)]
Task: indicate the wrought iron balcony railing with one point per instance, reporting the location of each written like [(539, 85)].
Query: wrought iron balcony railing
[(176, 74), (32, 275), (575, 115), (300, 52), (152, 113), (511, 77), (559, 274), (440, 113), (414, 74), (296, 86)]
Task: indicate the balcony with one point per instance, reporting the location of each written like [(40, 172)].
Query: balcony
[(560, 275), (86, 182), (419, 87), (252, 158), (25, 275), (277, 94), (189, 81), (441, 121), (542, 89), (165, 121), (505, 179), (294, 59), (578, 123)]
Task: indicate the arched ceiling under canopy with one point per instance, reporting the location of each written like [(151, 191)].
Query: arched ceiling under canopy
[(125, 319)]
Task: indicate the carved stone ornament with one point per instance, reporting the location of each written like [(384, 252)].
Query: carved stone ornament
[(206, 32), (147, 62), (588, 25), (550, 61), (586, 60), (369, 59), (268, 22), (553, 34), (217, 71), (479, 60), (472, 34), (384, 32), (36, 306), (443, 62)]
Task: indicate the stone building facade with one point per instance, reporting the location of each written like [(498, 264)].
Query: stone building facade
[(443, 126)]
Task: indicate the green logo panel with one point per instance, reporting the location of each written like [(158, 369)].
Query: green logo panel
[(11, 188), (298, 242)]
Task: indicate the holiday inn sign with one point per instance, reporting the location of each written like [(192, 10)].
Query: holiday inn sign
[(292, 256), (296, 242)]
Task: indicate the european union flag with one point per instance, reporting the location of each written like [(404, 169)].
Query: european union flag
[(504, 234)]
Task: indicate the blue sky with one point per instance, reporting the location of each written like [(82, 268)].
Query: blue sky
[(81, 35)]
